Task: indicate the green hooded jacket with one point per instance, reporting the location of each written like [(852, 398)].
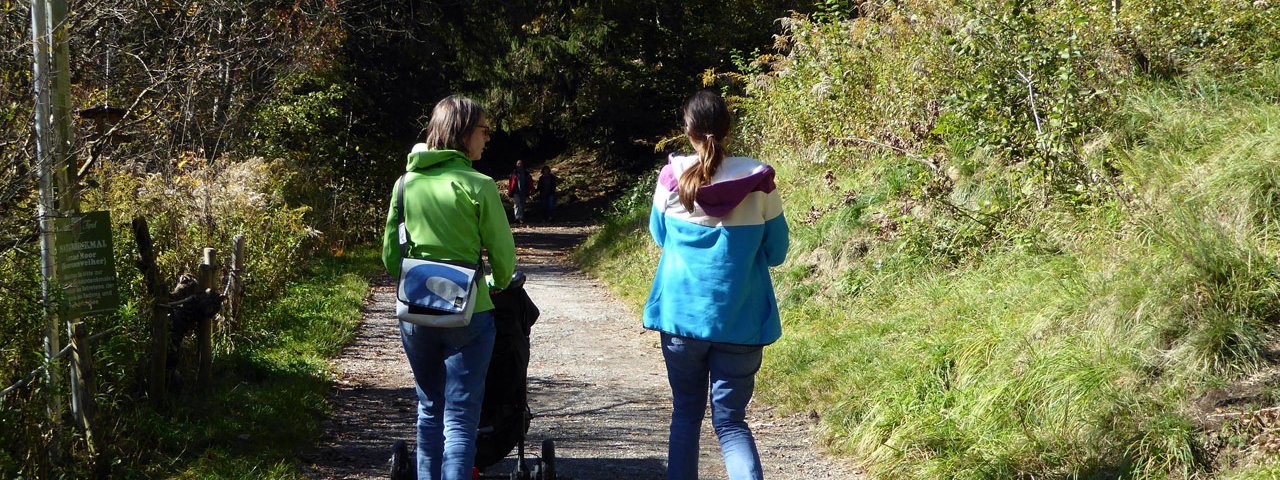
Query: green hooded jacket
[(453, 212)]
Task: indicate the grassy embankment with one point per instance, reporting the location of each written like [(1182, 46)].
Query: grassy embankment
[(267, 398), (1099, 334)]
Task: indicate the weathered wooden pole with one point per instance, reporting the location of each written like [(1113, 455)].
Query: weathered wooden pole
[(65, 171), (157, 295), (82, 388), (236, 290), (68, 202), (204, 332)]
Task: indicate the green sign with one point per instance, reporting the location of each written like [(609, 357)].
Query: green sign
[(85, 266)]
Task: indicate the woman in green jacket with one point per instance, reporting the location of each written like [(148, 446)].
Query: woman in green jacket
[(451, 212)]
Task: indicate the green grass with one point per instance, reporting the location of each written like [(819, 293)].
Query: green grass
[(267, 397), (623, 252), (1268, 469), (1071, 339)]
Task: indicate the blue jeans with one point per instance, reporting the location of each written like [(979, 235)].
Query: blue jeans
[(731, 372), (517, 205), (449, 366)]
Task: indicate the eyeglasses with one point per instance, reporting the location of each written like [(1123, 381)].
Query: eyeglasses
[(485, 128)]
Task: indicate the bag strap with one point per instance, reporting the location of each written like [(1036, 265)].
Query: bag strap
[(402, 217)]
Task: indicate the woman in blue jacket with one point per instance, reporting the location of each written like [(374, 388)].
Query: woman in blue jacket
[(719, 222)]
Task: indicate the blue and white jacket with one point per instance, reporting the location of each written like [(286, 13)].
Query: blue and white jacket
[(713, 279)]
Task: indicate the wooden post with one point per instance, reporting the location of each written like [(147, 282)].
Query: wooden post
[(156, 295), (236, 290), (82, 389), (64, 155), (68, 201), (204, 332)]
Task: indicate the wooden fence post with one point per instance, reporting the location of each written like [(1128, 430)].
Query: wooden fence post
[(204, 332), (157, 295), (235, 290)]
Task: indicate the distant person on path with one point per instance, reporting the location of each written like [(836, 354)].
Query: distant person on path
[(547, 183), (451, 213), (719, 222), (519, 188)]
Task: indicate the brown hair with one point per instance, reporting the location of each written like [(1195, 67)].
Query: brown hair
[(706, 122), (452, 119)]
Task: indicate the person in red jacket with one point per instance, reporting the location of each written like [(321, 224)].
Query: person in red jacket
[(519, 188)]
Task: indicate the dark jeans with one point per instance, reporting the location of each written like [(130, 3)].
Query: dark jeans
[(549, 205)]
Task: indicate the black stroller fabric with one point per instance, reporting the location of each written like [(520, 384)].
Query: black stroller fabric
[(504, 418)]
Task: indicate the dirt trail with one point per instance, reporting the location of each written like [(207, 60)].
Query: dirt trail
[(596, 385)]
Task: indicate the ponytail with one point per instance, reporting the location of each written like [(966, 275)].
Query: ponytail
[(710, 156), (706, 120)]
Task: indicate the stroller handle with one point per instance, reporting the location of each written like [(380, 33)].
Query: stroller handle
[(517, 280)]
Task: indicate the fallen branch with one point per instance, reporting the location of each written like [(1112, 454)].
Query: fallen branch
[(1031, 99), (873, 143), (907, 153), (924, 161), (18, 241), (67, 349), (1224, 416), (966, 213), (31, 376)]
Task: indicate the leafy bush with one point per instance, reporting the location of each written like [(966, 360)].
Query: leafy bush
[(206, 204)]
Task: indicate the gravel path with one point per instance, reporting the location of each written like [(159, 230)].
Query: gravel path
[(596, 385)]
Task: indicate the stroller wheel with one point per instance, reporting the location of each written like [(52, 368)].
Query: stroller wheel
[(548, 460), (402, 467)]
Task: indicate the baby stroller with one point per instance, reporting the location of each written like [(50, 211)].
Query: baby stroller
[(505, 414)]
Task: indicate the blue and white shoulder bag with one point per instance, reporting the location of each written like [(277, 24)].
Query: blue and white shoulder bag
[(433, 293)]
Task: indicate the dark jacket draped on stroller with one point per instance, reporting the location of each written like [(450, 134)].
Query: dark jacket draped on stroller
[(504, 417)]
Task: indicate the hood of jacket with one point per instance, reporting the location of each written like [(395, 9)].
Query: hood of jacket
[(422, 158), (736, 178)]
